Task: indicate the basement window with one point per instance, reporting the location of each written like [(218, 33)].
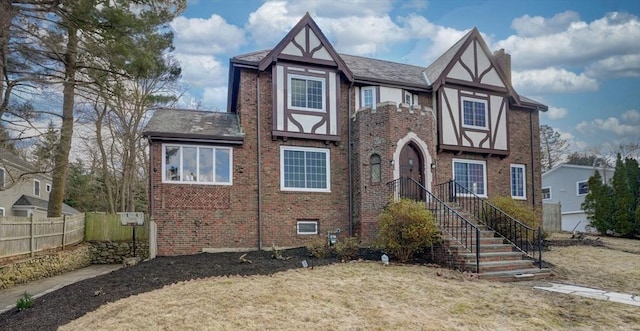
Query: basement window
[(307, 227)]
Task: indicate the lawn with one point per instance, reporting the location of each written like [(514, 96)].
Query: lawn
[(370, 296)]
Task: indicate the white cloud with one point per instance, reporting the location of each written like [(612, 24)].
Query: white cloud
[(202, 70), (556, 113), (615, 66), (628, 126), (579, 43), (632, 116), (552, 80), (528, 26), (270, 23), (206, 36)]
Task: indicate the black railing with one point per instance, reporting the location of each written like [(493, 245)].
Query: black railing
[(462, 230), (525, 238)]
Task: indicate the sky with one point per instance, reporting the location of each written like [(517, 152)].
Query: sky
[(581, 58)]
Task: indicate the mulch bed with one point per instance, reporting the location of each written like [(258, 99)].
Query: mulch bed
[(73, 301)]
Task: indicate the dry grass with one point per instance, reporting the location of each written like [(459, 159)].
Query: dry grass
[(614, 267), (356, 296)]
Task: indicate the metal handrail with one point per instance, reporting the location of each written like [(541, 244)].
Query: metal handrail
[(449, 220), (523, 237)]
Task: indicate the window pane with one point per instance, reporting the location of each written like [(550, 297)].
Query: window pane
[(36, 188), (468, 113), (172, 163), (1, 178), (470, 175), (316, 170), (189, 165), (314, 90), (480, 119), (298, 92), (223, 170), (546, 193), (308, 227), (517, 182), (294, 169), (205, 164), (376, 175), (367, 98)]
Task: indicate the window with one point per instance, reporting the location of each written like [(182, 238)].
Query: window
[(36, 187), (48, 187), (197, 165), (2, 212), (307, 227), (306, 93), (376, 173), (304, 169), (471, 174), (546, 193), (408, 98), (474, 113), (518, 181), (369, 97), (1, 178), (582, 187)]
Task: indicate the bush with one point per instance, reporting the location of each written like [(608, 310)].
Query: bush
[(24, 302), (347, 248), (319, 248), (516, 209), (406, 227)]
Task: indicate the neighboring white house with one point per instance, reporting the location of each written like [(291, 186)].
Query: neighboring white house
[(567, 184), (23, 190)]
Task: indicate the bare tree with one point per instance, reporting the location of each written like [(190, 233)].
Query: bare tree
[(552, 147)]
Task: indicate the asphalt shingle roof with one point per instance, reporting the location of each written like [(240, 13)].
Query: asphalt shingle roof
[(26, 200), (194, 124)]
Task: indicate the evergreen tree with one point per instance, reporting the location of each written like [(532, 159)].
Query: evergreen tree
[(623, 214), (45, 148), (598, 204)]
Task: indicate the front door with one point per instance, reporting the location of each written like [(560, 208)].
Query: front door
[(411, 166)]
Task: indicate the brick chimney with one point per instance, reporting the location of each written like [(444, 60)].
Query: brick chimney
[(504, 62)]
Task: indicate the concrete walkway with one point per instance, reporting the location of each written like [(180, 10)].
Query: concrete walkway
[(628, 299), (38, 288)]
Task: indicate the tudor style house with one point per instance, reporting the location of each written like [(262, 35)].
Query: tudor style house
[(311, 137)]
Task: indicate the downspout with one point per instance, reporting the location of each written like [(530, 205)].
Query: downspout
[(151, 174), (259, 164), (533, 176), (350, 166)]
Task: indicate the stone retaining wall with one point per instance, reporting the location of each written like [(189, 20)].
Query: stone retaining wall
[(22, 271), (106, 252)]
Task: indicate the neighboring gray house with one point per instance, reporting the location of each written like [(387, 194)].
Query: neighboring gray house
[(23, 190), (567, 184)]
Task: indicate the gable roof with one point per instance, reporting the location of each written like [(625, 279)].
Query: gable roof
[(37, 203), (194, 125), (306, 21), (7, 156), (436, 70), (570, 166)]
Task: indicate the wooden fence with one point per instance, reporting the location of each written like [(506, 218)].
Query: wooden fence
[(28, 235), (551, 217), (107, 227)]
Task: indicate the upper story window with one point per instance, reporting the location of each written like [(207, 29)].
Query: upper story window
[(304, 169), (48, 187), (474, 112), (472, 175), (582, 187), (1, 178), (368, 97), (197, 164), (408, 98), (306, 93), (546, 193), (36, 187), (376, 173), (2, 212), (518, 181)]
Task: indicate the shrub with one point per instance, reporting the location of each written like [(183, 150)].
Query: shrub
[(319, 248), (347, 248), (406, 227), (516, 209), (24, 302)]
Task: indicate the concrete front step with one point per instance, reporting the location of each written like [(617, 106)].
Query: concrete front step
[(470, 258), (484, 247), (469, 232), (494, 266), (516, 275)]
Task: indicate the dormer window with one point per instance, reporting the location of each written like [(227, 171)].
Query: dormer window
[(306, 93), (474, 113)]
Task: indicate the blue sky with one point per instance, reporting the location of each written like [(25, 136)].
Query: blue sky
[(581, 58)]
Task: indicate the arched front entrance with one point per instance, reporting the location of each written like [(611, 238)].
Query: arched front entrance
[(411, 165)]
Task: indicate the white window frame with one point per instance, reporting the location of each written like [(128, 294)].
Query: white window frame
[(305, 149), (290, 77), (524, 181), (2, 212), (578, 188), (486, 113), (47, 187), (550, 196), (410, 96), (298, 223), (2, 178), (196, 181), (373, 96), (36, 183), (484, 175)]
